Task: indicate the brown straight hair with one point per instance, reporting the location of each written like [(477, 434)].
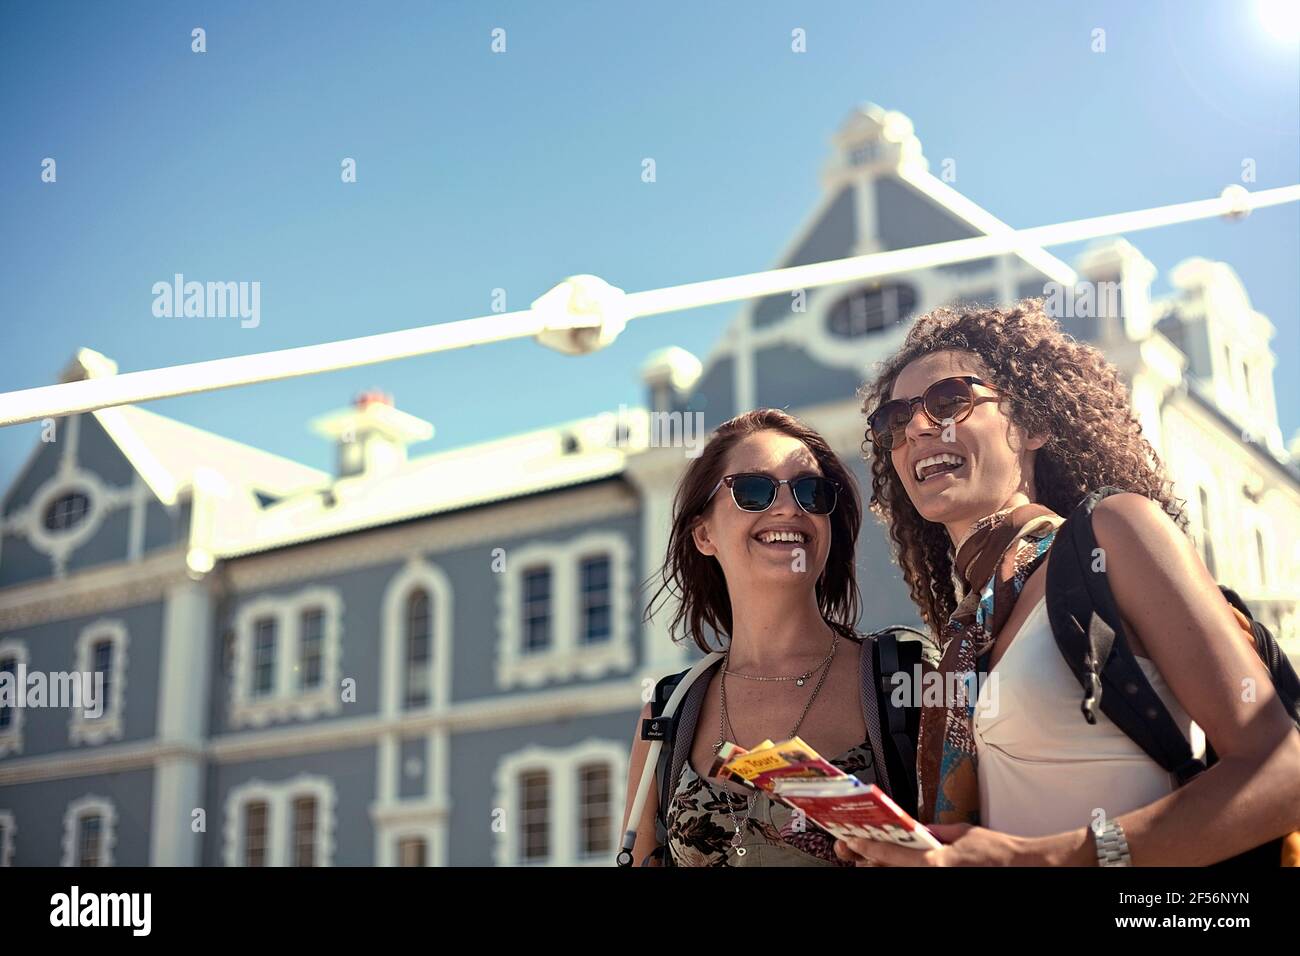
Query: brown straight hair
[(696, 580)]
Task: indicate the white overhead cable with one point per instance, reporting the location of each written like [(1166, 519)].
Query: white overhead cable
[(584, 313)]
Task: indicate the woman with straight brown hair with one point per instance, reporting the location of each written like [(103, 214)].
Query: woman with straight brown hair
[(761, 558)]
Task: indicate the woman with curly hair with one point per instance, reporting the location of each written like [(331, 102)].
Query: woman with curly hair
[(761, 554), (986, 430)]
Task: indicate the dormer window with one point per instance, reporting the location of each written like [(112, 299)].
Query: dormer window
[(67, 511), (870, 310)]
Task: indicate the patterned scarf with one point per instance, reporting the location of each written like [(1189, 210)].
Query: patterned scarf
[(993, 562)]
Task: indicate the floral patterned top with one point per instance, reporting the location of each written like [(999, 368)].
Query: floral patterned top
[(700, 829)]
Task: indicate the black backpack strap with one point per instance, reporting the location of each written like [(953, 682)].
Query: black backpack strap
[(1280, 671), (891, 728), (1089, 632)]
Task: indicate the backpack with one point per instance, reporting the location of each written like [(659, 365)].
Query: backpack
[(891, 729), (1089, 632)]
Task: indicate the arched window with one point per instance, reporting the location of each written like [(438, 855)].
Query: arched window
[(101, 651), (416, 643), (419, 648)]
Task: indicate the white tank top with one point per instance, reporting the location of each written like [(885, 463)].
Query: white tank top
[(1042, 767)]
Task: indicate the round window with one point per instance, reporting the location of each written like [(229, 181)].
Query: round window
[(870, 310), (67, 511)]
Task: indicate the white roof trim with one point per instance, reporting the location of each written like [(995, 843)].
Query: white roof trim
[(975, 215), (300, 521), (132, 428), (162, 483)]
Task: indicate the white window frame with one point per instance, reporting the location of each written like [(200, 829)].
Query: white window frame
[(287, 702), (85, 806), (8, 844), (563, 819), (109, 725), (416, 573), (62, 543), (279, 799), (11, 740), (567, 657)]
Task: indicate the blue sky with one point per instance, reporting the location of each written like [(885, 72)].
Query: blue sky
[(479, 171)]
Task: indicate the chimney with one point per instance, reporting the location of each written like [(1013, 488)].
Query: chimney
[(371, 436)]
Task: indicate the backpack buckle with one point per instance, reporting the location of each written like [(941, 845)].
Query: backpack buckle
[(657, 728), (1091, 692)]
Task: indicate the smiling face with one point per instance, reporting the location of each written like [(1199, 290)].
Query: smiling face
[(993, 457), (781, 546)]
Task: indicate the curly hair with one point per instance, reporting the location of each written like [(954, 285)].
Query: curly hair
[(1051, 385), (697, 581)]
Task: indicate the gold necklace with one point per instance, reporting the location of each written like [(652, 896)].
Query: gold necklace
[(799, 679), (724, 722)]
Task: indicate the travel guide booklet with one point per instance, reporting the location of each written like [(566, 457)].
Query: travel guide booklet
[(793, 773)]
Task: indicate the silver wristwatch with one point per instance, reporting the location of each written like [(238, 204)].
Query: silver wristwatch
[(1112, 848)]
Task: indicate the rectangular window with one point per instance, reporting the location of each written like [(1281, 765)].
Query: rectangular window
[(411, 851), (595, 820), (102, 662), (537, 609), (255, 816), (89, 839), (1261, 557), (311, 648), (264, 657), (1207, 542), (8, 665), (535, 836), (596, 606), (304, 831)]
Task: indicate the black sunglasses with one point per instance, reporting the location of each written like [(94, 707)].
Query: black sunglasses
[(754, 492), (947, 400)]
